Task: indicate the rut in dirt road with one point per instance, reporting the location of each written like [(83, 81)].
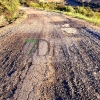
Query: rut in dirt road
[(50, 56)]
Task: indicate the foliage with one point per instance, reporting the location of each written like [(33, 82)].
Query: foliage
[(89, 13), (85, 13), (42, 5), (8, 7), (51, 6), (27, 2), (81, 10), (61, 7), (70, 9), (34, 5)]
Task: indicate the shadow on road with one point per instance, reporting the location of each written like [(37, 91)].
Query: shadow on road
[(93, 34)]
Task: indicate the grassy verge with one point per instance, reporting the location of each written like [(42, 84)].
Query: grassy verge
[(94, 20), (85, 13)]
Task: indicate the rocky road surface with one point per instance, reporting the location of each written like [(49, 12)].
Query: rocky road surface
[(50, 56)]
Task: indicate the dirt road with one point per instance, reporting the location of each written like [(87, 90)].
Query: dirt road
[(50, 56)]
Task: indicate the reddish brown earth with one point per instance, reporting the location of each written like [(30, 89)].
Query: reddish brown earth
[(69, 71)]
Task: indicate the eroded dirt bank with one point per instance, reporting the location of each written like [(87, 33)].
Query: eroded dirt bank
[(70, 70)]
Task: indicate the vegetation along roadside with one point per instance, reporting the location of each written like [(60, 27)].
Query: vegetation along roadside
[(9, 11), (82, 12)]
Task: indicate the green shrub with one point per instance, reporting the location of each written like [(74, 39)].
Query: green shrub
[(89, 13), (61, 7), (44, 6), (70, 9), (27, 2), (97, 14), (51, 6), (8, 7), (81, 10), (34, 5)]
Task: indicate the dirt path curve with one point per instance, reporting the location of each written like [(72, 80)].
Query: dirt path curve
[(50, 56)]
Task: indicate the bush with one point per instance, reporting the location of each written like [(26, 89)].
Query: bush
[(61, 7), (81, 10), (44, 5), (34, 5), (97, 14), (51, 6), (27, 2), (8, 7), (70, 9), (90, 13)]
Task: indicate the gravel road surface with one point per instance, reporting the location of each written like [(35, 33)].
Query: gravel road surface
[(50, 56)]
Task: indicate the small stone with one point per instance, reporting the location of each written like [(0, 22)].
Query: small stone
[(98, 96), (94, 73), (65, 25)]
